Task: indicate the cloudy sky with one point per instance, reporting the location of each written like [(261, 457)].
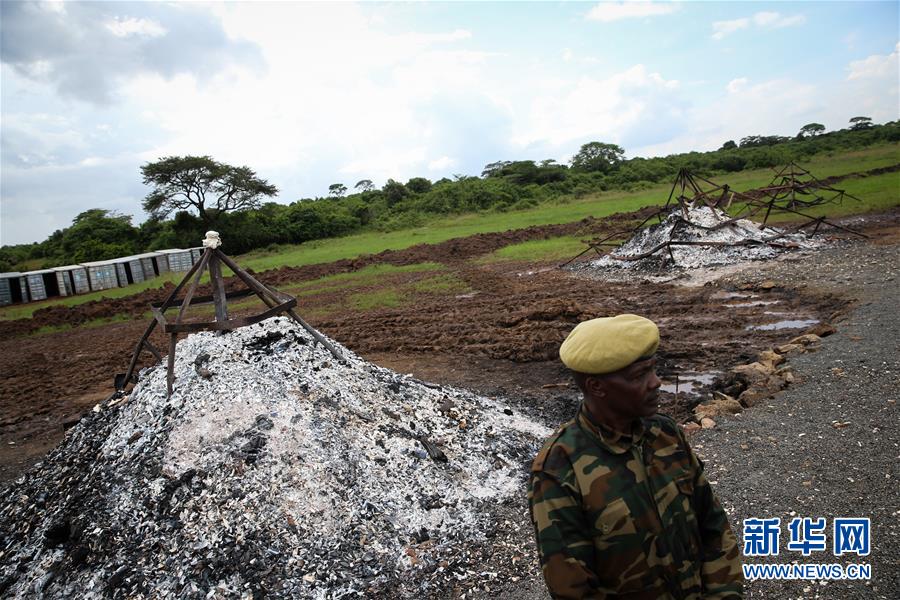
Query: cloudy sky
[(309, 94)]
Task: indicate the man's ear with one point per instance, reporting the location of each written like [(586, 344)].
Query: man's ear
[(595, 385)]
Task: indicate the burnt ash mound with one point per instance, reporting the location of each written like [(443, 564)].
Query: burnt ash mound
[(272, 471), (697, 237)]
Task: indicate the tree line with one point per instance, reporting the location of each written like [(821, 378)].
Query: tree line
[(190, 195)]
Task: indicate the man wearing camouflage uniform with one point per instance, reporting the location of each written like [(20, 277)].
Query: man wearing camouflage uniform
[(619, 501)]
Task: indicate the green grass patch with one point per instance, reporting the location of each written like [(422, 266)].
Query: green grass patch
[(876, 193), (366, 275), (564, 210), (387, 298), (821, 166), (442, 284), (557, 248)]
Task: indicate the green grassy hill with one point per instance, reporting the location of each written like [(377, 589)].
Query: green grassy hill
[(876, 193)]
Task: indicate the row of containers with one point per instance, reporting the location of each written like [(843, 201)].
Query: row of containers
[(93, 276)]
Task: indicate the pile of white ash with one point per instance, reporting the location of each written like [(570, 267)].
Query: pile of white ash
[(711, 241), (274, 471)]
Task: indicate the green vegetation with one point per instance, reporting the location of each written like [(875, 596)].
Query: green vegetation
[(878, 192), (199, 182), (184, 184), (442, 284), (364, 276), (551, 249), (405, 293), (388, 298)]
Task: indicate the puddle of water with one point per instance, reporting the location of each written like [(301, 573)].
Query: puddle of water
[(689, 383), (469, 295), (775, 313), (753, 303), (535, 272), (789, 324)]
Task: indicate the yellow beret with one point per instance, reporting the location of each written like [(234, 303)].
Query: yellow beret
[(605, 345)]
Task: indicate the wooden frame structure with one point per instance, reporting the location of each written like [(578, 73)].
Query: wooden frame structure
[(212, 260)]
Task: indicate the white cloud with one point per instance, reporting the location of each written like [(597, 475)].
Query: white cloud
[(442, 163), (781, 107), (339, 97), (611, 108), (387, 162), (775, 107), (766, 18), (790, 21), (343, 91), (762, 19), (876, 66), (736, 85), (723, 28), (85, 50), (132, 26), (607, 12)]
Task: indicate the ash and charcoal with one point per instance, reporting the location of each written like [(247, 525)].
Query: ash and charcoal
[(696, 237), (273, 470)]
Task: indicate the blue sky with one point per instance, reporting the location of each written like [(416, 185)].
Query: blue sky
[(310, 94)]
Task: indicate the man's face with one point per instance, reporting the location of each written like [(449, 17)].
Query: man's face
[(627, 394)]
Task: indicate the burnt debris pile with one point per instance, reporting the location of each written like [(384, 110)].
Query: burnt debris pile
[(699, 236), (704, 224), (274, 470)]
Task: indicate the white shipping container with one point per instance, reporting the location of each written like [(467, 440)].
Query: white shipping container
[(74, 278), (178, 260), (102, 275), (6, 287), (37, 290), (64, 283)]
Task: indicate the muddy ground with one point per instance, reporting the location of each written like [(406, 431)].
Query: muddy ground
[(499, 337)]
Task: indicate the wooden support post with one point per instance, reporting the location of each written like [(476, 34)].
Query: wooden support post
[(316, 335), (170, 374), (152, 326), (204, 260), (152, 349), (218, 287), (137, 351)]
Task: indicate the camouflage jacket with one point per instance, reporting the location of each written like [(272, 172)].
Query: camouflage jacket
[(629, 517)]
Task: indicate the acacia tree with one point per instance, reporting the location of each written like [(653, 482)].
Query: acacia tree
[(337, 190), (811, 130), (365, 184), (857, 123), (597, 156), (199, 182)]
